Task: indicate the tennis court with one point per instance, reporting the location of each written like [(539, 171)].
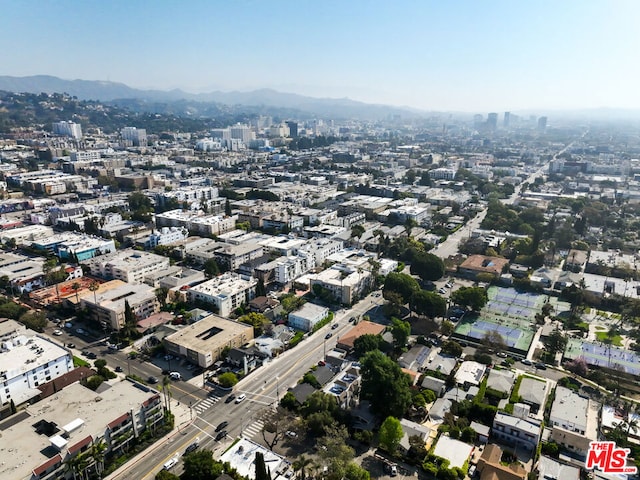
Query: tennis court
[(514, 335), (517, 305), (602, 355)]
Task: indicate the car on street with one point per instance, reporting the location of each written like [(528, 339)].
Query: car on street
[(112, 347), (175, 376), (334, 326), (221, 435), (172, 462), (57, 333), (328, 335), (152, 380), (525, 361), (230, 398), (322, 363), (240, 398), (192, 447), (91, 355), (352, 319), (221, 426), (541, 366), (71, 345), (119, 369), (501, 355)]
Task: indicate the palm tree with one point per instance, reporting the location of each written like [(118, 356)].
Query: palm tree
[(94, 286), (75, 286), (166, 390), (98, 449), (301, 464)]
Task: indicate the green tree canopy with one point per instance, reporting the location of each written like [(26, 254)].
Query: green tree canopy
[(428, 303), (385, 385), (427, 266), (401, 331), (366, 343), (472, 297), (390, 434), (200, 465), (211, 268), (227, 379), (401, 284)]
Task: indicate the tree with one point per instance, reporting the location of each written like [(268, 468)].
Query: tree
[(452, 348), (446, 328), (427, 266), (400, 331), (261, 468), (75, 286), (34, 320), (390, 434), (257, 320), (402, 284), (94, 287), (301, 464), (166, 475), (211, 268), (227, 379), (357, 231), (366, 343), (200, 465), (556, 342), (275, 424), (385, 385), (261, 290), (428, 303), (472, 297), (492, 340)]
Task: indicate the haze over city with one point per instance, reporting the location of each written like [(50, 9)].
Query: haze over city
[(460, 56)]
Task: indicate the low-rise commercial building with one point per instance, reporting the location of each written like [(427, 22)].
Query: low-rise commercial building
[(203, 342), (307, 317)]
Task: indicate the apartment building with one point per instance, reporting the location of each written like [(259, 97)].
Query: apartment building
[(226, 292), (130, 266)]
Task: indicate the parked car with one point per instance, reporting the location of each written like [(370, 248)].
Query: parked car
[(71, 345), (334, 326), (91, 355), (175, 376), (525, 361), (240, 398), (328, 335), (541, 366), (442, 291), (152, 380), (119, 369), (352, 319), (57, 333), (80, 331), (501, 355), (291, 434)]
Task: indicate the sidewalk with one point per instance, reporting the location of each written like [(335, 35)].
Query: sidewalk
[(182, 420)]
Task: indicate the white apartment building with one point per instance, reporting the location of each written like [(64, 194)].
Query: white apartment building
[(26, 235), (85, 156), (167, 236), (108, 304), (307, 317), (135, 136), (321, 248), (520, 432), (242, 133), (130, 266), (196, 222), (227, 292), (189, 194), (26, 361), (68, 129), (287, 269), (344, 282)]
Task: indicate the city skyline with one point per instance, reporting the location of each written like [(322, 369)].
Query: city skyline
[(466, 56)]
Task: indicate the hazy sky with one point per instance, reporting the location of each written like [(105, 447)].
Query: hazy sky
[(450, 55)]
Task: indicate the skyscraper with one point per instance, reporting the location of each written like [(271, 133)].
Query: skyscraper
[(542, 124), (507, 119), (137, 136), (492, 121), (69, 129), (293, 129)]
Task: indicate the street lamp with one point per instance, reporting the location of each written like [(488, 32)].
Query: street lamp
[(277, 389)]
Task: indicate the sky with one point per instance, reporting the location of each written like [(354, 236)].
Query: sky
[(473, 56)]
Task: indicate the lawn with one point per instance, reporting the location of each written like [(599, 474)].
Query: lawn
[(615, 340)]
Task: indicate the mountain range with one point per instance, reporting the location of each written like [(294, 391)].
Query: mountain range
[(196, 104)]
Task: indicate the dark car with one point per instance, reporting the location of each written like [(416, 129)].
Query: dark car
[(152, 380), (92, 355), (71, 345), (328, 335), (352, 319), (119, 369), (221, 435), (334, 326), (191, 448), (541, 366), (525, 361), (221, 426), (230, 398)]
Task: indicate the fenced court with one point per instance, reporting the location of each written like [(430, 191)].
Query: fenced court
[(513, 334), (513, 304), (602, 355)]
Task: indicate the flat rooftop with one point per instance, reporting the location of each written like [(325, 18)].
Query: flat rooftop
[(22, 448), (209, 333)]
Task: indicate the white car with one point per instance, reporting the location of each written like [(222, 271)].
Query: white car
[(57, 333), (175, 376), (170, 463), (240, 398)]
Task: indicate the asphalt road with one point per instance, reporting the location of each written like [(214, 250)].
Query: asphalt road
[(262, 387)]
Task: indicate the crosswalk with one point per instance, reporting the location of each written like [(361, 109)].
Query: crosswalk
[(254, 428), (206, 404)]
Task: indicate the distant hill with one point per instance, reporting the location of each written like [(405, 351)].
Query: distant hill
[(195, 104)]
